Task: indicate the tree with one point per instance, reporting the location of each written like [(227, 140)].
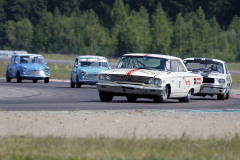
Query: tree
[(161, 32), (19, 34)]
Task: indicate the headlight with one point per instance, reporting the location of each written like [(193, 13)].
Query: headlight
[(221, 81), (151, 81), (83, 72), (157, 82), (101, 77), (108, 77), (24, 68), (46, 69)]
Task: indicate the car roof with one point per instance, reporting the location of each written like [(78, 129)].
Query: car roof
[(204, 59), (152, 55), (28, 55), (91, 56)]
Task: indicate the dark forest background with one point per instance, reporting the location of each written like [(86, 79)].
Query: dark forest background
[(183, 28)]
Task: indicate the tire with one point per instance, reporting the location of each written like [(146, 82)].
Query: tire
[(8, 79), (35, 81), (19, 78), (221, 96), (163, 98), (228, 95), (72, 84), (46, 80), (105, 96), (78, 84), (131, 98), (187, 98)]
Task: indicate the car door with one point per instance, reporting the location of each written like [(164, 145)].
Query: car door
[(12, 68), (179, 78)]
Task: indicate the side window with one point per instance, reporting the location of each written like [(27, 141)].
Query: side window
[(76, 62), (15, 60), (226, 68), (174, 66)]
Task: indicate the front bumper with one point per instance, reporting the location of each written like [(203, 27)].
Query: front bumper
[(35, 74), (129, 89), (212, 89)]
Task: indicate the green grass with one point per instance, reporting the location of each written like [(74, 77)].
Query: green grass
[(234, 66), (56, 148)]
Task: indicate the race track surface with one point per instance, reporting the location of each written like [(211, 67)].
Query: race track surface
[(58, 96)]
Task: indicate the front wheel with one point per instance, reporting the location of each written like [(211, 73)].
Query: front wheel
[(19, 78), (8, 79), (187, 98), (78, 84), (162, 98), (46, 80), (221, 96), (72, 84), (105, 96)]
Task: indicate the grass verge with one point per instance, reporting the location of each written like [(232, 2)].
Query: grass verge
[(56, 148)]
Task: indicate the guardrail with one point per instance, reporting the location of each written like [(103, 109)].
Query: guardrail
[(8, 53)]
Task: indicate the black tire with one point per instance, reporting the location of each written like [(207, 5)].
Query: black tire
[(105, 96), (78, 84), (72, 84), (19, 78), (35, 81), (163, 98), (221, 96), (187, 98), (46, 80), (131, 98), (8, 79), (228, 95)]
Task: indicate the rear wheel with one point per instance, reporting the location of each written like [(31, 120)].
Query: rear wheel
[(35, 81), (46, 80), (187, 98), (78, 84), (19, 78), (8, 79), (162, 98), (228, 95), (131, 98), (105, 96)]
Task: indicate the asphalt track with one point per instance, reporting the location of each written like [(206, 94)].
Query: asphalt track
[(58, 96)]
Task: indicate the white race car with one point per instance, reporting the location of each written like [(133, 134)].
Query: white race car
[(217, 79), (153, 76)]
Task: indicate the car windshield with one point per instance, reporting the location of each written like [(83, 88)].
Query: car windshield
[(203, 65), (93, 64), (143, 62), (31, 59)]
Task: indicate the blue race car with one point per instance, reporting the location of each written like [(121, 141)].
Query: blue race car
[(86, 70), (27, 66)]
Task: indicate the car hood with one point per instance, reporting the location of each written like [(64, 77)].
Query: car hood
[(93, 70), (34, 66), (136, 72), (210, 74)]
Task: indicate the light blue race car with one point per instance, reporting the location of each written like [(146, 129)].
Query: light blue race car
[(86, 70), (27, 66)]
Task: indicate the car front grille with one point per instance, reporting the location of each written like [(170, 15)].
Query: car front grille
[(208, 80), (91, 77), (35, 73), (129, 78)]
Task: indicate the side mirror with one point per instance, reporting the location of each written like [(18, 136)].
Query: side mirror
[(109, 67), (15, 62), (75, 65)]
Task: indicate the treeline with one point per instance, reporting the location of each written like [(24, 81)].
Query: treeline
[(111, 28)]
